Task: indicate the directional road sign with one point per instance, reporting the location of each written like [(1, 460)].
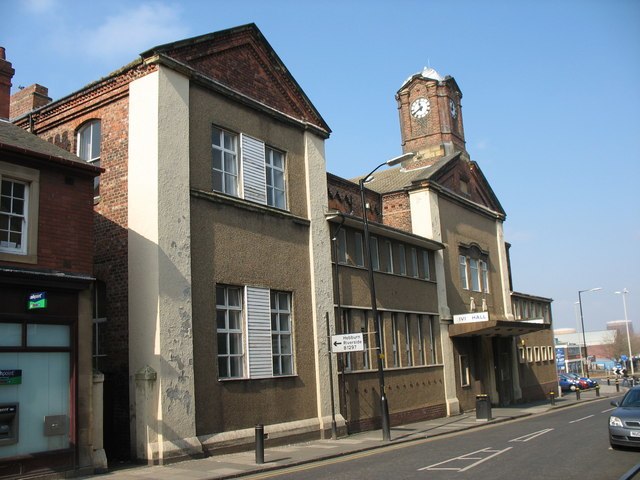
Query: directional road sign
[(350, 342)]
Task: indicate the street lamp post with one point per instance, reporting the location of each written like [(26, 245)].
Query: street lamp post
[(384, 406), (577, 326), (584, 338), (624, 293)]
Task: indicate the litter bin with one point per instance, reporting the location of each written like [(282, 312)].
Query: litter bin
[(483, 407)]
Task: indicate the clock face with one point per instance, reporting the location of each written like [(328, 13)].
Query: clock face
[(420, 108), (453, 109)]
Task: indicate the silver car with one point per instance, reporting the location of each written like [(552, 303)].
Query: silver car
[(624, 422)]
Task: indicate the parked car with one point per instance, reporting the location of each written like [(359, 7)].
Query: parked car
[(567, 384), (624, 421), (584, 381)]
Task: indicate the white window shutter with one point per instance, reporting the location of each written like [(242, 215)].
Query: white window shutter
[(259, 332), (253, 170)]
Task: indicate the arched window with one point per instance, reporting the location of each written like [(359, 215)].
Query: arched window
[(89, 148)]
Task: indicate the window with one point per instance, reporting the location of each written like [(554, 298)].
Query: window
[(342, 246), (408, 340), (522, 357), (276, 195), (99, 297), (394, 340), (389, 250), (474, 269), (282, 350), (433, 359), (414, 263), (246, 167), (421, 356), (465, 377), (462, 262), (13, 216), (19, 198), (475, 274), (375, 257), (425, 265), (225, 161), (229, 325), (89, 137), (365, 338), (261, 319), (359, 253), (402, 260), (484, 276)]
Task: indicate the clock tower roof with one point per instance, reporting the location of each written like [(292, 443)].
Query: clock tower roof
[(428, 73)]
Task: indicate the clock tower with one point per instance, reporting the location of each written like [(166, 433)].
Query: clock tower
[(430, 117)]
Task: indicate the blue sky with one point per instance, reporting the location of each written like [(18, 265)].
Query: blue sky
[(551, 104)]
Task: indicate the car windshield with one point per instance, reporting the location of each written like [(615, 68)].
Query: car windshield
[(632, 399)]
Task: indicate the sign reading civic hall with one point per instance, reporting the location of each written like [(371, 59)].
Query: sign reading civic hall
[(471, 317)]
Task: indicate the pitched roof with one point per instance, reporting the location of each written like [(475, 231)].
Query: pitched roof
[(15, 139), (242, 60), (398, 178)]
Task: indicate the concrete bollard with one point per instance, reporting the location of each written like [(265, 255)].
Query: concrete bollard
[(259, 444), (552, 397), (597, 390)]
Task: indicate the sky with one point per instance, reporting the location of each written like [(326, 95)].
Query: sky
[(551, 105)]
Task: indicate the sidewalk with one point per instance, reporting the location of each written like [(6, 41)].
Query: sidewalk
[(238, 464)]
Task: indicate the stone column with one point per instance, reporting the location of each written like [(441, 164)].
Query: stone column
[(99, 456)]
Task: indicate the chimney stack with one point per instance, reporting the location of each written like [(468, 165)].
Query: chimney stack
[(6, 74), (29, 98)]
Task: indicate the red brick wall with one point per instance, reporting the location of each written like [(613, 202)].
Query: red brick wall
[(59, 123), (396, 211), (27, 99), (344, 196)]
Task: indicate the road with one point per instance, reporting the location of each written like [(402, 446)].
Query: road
[(569, 443)]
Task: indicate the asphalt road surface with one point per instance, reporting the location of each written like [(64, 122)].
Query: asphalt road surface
[(568, 443)]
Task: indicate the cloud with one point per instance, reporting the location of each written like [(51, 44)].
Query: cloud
[(134, 30), (119, 36), (482, 144), (39, 6)]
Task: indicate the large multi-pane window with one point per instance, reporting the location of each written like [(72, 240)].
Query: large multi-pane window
[(13, 216), (342, 246), (402, 260), (474, 272), (414, 263), (225, 161), (229, 326), (261, 320), (281, 340), (426, 273), (89, 137), (246, 167), (389, 254), (394, 340), (276, 194)]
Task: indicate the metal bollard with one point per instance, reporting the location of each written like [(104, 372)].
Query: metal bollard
[(577, 394), (597, 390), (608, 381), (552, 397), (617, 385), (259, 444)]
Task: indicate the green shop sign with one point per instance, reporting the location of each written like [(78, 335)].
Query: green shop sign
[(10, 377), (38, 300)]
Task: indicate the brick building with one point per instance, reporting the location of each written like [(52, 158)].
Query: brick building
[(47, 421), (205, 228)]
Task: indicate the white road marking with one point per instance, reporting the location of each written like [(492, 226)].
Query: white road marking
[(608, 410), (465, 458), (531, 436), (580, 419)]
